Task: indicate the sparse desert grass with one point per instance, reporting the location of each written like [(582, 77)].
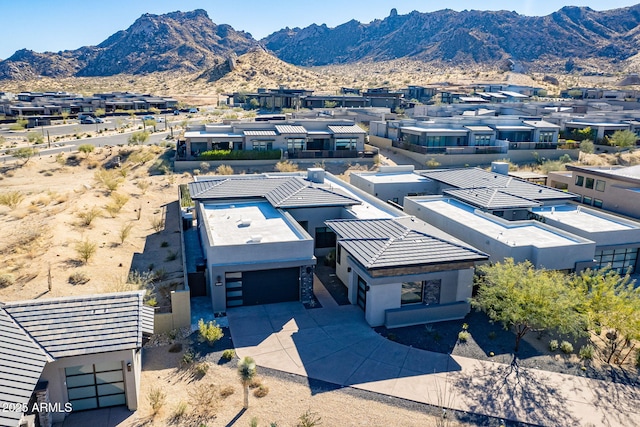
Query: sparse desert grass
[(88, 215), (11, 199)]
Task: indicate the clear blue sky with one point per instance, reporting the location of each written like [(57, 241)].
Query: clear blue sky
[(54, 25)]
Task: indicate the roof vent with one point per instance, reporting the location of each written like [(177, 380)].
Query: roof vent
[(256, 238), (244, 222)]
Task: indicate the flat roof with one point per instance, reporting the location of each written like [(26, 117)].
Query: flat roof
[(400, 177), (424, 130), (583, 219), (247, 223), (519, 234), (203, 133), (479, 128)]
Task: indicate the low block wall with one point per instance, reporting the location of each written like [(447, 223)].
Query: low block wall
[(180, 315), (417, 314), (461, 160)]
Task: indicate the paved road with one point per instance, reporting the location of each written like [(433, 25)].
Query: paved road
[(99, 141), (334, 344)]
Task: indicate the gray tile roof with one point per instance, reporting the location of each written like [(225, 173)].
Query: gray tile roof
[(21, 363), (296, 129), (79, 325), (384, 243), (281, 192), (259, 132), (346, 129), (479, 178), (490, 198)]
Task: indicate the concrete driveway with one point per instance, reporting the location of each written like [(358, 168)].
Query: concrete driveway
[(335, 344)]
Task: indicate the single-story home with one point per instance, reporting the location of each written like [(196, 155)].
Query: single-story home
[(70, 354)]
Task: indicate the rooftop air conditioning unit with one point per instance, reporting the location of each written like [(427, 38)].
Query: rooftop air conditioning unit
[(256, 238), (245, 222)]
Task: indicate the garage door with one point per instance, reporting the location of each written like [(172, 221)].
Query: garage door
[(95, 386), (263, 287)]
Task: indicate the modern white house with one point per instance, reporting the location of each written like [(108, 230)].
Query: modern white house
[(300, 138), (70, 354), (261, 236)]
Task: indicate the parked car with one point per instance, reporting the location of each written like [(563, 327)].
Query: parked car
[(176, 112), (87, 120), (193, 110), (145, 118), (99, 120), (159, 119)]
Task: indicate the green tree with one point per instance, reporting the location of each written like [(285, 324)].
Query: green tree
[(254, 104), (24, 153), (623, 139), (209, 332), (137, 138), (246, 373), (586, 146), (526, 299), (582, 134), (20, 124), (100, 112), (330, 104), (612, 303)]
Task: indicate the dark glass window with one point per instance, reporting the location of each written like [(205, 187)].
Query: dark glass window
[(589, 183), (325, 238), (600, 184), (411, 292), (579, 180)]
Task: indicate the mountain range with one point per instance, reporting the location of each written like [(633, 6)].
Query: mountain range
[(192, 42)]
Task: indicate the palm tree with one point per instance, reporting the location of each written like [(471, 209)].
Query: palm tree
[(246, 372)]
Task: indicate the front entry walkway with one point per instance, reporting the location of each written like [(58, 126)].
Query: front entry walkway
[(335, 344)]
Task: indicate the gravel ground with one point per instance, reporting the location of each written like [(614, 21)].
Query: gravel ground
[(489, 341), (289, 395)]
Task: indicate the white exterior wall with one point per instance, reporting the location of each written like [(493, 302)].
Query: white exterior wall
[(54, 373)]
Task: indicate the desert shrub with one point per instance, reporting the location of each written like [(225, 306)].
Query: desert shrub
[(187, 358), (11, 199), (587, 146), (286, 166), (255, 383), (124, 232), (553, 345), (157, 399), (204, 167), (309, 419), (204, 400), (171, 256), (228, 354), (109, 179), (180, 410), (201, 369), (253, 422), (209, 332), (143, 185), (586, 352), (463, 336), (224, 170), (226, 391), (196, 172), (432, 163), (552, 165), (565, 158), (261, 391), (566, 347), (137, 138), (6, 280), (78, 278), (85, 250), (86, 148), (157, 223), (87, 216)]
